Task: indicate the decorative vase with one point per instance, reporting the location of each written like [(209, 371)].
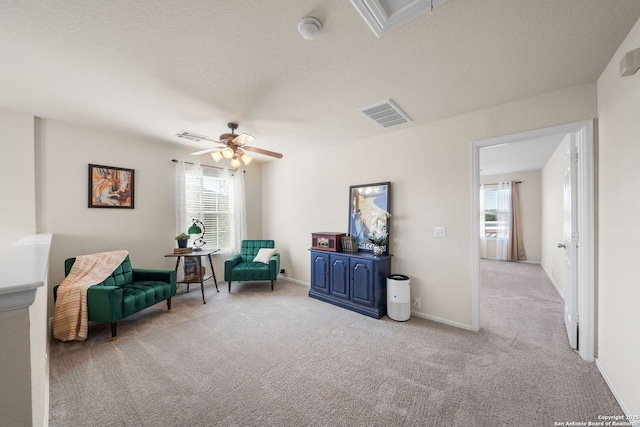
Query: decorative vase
[(183, 243), (378, 250)]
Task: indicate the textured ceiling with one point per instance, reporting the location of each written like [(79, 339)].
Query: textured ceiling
[(155, 68)]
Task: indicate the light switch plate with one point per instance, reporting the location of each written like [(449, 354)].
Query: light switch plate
[(439, 232)]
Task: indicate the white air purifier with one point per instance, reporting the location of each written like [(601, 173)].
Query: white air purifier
[(398, 297)]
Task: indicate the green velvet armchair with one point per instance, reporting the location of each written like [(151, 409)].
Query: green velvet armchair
[(244, 267)]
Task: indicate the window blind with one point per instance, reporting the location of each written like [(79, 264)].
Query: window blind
[(207, 199)]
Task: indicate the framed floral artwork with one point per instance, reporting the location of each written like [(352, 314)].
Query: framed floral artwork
[(369, 213), (110, 187)]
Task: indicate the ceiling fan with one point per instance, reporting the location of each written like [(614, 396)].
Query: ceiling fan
[(232, 146)]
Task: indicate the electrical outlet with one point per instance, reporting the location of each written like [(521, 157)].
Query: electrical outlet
[(416, 302), (439, 232), (282, 271)]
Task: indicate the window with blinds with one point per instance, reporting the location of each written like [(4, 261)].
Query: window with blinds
[(207, 199)]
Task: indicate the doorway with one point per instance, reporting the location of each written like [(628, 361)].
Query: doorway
[(583, 134)]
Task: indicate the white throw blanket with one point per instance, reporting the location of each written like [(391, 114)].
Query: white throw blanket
[(71, 319)]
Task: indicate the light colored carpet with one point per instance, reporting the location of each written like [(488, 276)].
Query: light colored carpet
[(261, 358)]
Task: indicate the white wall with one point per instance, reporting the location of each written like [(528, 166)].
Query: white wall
[(15, 377), (253, 197), (39, 333), (24, 380), (18, 213), (553, 216), (430, 187), (147, 231), (530, 210), (619, 227)]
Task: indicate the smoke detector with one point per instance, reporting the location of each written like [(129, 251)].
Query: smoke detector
[(309, 28)]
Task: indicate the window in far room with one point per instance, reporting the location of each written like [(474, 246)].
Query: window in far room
[(490, 213)]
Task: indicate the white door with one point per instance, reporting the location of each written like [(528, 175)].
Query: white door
[(570, 244)]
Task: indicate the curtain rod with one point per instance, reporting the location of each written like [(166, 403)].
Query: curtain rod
[(207, 166)]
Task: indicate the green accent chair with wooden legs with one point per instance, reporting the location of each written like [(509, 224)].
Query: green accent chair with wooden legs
[(245, 267)]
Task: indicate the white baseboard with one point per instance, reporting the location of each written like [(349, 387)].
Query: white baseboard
[(442, 320), (289, 279), (624, 407), (414, 313), (280, 277), (524, 261)]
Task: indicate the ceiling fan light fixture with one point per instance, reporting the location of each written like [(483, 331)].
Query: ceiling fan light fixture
[(231, 146), (227, 152), (217, 156), (246, 158)]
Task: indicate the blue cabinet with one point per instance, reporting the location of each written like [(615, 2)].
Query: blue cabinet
[(320, 271), (339, 276), (362, 278), (355, 281)]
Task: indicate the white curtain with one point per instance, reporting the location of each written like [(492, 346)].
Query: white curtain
[(237, 207), (192, 172), (483, 233), (503, 202)]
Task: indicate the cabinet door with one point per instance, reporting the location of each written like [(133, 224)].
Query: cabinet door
[(320, 272), (340, 276), (362, 281)]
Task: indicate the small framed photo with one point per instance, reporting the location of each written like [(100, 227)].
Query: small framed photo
[(110, 187), (366, 203)]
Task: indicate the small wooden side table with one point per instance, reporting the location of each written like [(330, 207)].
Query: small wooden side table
[(198, 255)]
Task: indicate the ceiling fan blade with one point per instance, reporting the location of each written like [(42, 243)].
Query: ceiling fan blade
[(205, 151), (197, 137), (243, 138), (261, 151)]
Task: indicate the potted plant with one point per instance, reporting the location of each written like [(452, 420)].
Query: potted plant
[(378, 233), (183, 239)]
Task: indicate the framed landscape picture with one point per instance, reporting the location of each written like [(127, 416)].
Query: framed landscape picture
[(110, 187), (366, 202)]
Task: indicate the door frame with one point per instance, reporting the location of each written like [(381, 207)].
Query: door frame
[(584, 131)]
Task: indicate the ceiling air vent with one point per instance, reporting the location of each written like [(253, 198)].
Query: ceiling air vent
[(385, 15), (386, 114), (192, 136)]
